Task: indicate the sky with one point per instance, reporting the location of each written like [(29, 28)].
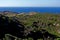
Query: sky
[(29, 3)]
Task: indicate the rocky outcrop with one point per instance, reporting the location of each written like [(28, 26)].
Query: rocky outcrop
[(35, 30), (8, 13), (32, 13)]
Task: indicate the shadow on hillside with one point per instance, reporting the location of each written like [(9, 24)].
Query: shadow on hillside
[(44, 35), (13, 27), (16, 28)]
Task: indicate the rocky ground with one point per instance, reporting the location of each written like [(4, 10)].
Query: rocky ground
[(34, 21)]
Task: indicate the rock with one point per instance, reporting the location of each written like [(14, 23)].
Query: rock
[(58, 31), (56, 24), (32, 13), (50, 18)]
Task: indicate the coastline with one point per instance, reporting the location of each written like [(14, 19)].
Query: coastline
[(54, 10)]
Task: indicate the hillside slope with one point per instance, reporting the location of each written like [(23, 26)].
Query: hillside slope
[(49, 22)]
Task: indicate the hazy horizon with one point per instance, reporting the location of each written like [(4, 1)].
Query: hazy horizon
[(30, 3)]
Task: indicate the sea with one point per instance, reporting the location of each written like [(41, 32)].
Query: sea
[(55, 10)]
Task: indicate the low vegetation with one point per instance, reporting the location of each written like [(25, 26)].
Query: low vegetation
[(38, 21), (49, 22)]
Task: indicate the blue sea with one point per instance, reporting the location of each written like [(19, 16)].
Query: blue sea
[(55, 10)]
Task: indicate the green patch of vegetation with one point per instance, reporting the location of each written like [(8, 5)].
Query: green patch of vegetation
[(49, 22), (53, 19)]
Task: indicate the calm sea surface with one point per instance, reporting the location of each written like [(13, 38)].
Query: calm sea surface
[(32, 9)]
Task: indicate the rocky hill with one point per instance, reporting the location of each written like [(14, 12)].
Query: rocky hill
[(36, 21), (50, 22)]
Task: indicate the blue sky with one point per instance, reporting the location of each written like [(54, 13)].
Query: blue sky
[(29, 3)]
